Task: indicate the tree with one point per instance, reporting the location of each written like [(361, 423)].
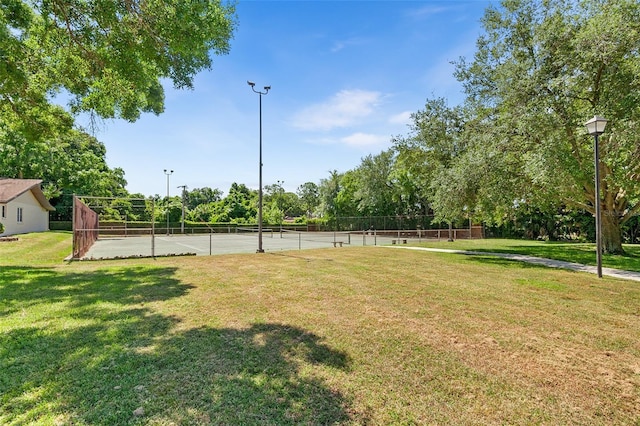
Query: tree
[(27, 135), (109, 58), (423, 160), (328, 191), (375, 187), (241, 203), (76, 163), (541, 70), (108, 55), (309, 196), (337, 195), (273, 215), (284, 202), (71, 162), (198, 196), (290, 204), (273, 193)]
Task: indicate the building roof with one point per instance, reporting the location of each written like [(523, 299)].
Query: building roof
[(12, 188)]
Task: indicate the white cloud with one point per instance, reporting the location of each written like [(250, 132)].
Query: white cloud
[(344, 109), (364, 139), (402, 118), (428, 11), (339, 45), (356, 140)]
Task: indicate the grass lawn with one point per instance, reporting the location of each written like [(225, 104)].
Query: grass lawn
[(358, 335), (583, 253)]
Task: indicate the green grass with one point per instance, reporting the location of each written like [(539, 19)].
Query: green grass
[(362, 335), (583, 253), (44, 248)]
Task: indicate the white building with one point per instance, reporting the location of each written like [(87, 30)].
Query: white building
[(23, 206)]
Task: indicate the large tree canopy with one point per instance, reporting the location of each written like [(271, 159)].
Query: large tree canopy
[(108, 55), (108, 58), (434, 142), (542, 69)]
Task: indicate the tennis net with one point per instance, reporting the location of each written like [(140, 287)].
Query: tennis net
[(254, 232), (318, 237)]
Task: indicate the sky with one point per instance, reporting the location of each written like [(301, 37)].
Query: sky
[(345, 77)]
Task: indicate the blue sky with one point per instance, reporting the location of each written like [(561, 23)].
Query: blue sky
[(345, 75)]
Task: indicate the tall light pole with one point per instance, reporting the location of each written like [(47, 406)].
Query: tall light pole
[(184, 190), (280, 184), (279, 202), (595, 127), (266, 90), (168, 173)]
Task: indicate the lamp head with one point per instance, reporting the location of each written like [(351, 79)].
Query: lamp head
[(596, 125), (251, 83), (267, 88)]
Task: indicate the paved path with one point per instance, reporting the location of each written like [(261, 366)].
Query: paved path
[(617, 273)]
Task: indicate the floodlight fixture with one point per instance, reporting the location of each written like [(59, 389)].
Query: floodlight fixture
[(266, 90)]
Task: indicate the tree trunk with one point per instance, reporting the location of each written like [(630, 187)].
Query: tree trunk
[(611, 233)]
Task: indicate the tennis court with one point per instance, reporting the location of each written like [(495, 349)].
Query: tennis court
[(235, 242)]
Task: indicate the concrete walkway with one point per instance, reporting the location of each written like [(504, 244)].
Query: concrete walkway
[(610, 272)]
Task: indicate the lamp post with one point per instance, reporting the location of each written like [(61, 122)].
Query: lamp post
[(280, 184), (168, 173), (184, 190), (266, 90), (279, 202), (595, 127)]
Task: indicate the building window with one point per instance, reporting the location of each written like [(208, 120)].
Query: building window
[(19, 214), (4, 212)]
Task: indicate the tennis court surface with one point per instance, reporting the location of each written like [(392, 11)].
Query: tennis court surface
[(223, 243)]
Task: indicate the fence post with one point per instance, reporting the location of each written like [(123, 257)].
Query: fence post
[(74, 244), (153, 228)]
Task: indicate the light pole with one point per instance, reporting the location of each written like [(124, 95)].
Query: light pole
[(266, 90), (280, 184), (279, 202), (595, 127), (168, 173), (184, 190)]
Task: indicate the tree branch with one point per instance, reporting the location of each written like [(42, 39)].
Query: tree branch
[(584, 206), (630, 213)]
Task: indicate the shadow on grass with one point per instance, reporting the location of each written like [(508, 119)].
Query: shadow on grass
[(509, 263), (22, 287), (575, 252), (103, 353)]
